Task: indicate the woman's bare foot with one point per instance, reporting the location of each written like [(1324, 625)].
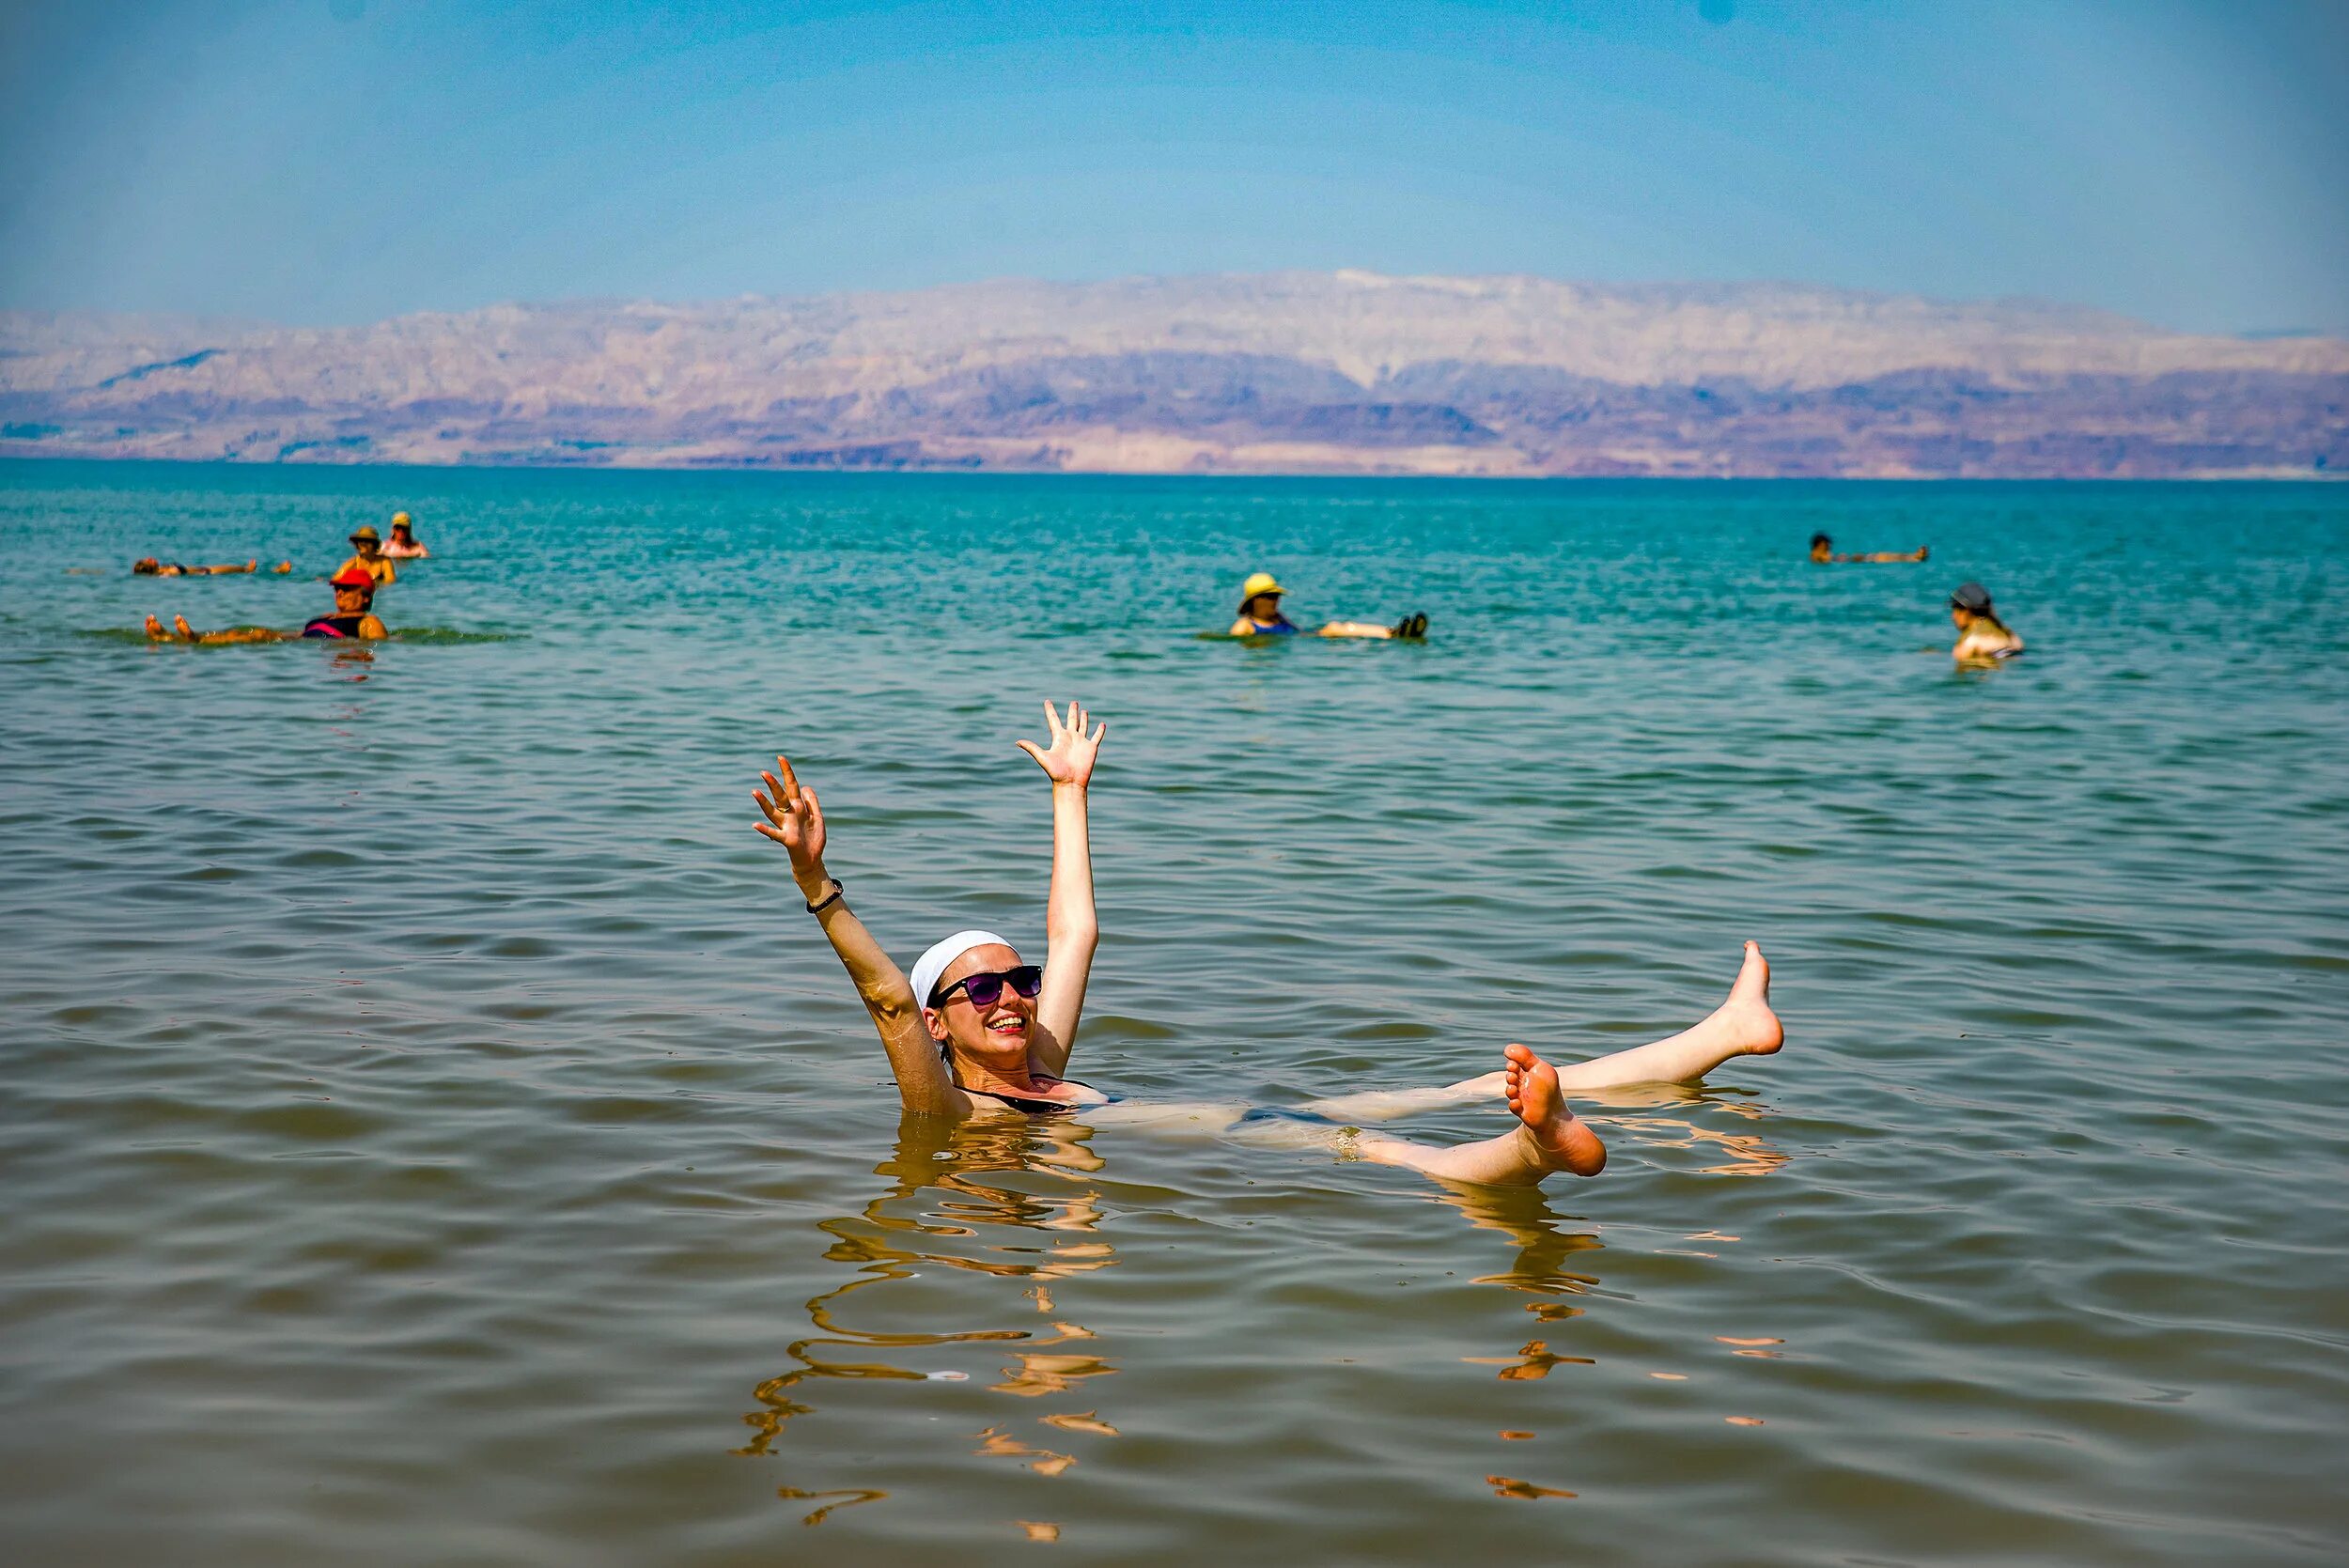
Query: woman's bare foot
[(155, 631), (282, 567), (179, 625), (1753, 1030), (1559, 1140)]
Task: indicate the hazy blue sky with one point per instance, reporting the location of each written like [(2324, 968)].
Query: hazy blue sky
[(331, 161)]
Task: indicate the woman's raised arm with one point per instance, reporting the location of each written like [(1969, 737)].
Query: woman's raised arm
[(795, 819), (1071, 931)]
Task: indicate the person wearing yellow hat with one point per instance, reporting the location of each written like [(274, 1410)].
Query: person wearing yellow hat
[(1260, 616), (403, 545), (371, 558), (354, 593)]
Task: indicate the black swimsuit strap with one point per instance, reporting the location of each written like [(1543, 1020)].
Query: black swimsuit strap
[(1035, 1106)]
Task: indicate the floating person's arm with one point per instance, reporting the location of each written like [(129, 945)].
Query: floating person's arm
[(795, 819), (1354, 628), (371, 626), (1071, 929)]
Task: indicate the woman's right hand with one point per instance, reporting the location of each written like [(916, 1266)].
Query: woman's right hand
[(796, 821)]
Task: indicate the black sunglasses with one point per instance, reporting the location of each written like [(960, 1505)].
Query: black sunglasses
[(985, 991)]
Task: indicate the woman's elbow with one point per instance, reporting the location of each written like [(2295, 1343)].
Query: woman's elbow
[(891, 1007)]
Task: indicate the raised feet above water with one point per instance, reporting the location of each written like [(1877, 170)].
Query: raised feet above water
[(1553, 1136), (1752, 1028)]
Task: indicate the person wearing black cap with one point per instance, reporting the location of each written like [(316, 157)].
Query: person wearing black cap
[(1982, 637)]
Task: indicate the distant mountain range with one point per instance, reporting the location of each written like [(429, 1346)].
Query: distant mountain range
[(1289, 372)]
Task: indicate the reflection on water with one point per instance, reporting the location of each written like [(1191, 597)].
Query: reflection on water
[(943, 1209), (955, 1200)]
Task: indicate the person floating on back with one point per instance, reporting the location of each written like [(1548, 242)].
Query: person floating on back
[(1982, 637), (354, 593), (1823, 553), (1260, 616), (976, 1029), (403, 545), (147, 566)]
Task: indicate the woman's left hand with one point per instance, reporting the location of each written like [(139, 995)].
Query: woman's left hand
[(1069, 758)]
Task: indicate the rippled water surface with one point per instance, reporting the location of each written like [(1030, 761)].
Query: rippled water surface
[(435, 1134)]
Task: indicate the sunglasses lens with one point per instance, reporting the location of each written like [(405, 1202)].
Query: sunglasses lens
[(1027, 980), (984, 990)]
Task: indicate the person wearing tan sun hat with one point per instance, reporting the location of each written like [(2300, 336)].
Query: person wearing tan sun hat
[(1260, 616), (371, 558)]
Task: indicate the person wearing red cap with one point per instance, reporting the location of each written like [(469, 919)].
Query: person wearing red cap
[(355, 592)]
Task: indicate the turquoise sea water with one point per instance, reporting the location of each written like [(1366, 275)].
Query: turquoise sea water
[(433, 1133)]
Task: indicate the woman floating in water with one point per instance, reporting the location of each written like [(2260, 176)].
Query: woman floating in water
[(1260, 616), (1823, 552), (403, 545), (354, 590), (1982, 637), (976, 1031), (148, 567)]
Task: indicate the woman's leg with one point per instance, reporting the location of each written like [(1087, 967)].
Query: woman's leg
[(1742, 1026), (1547, 1137), (234, 634)]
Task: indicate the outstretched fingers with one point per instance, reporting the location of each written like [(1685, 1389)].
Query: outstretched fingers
[(1066, 755), (793, 818)]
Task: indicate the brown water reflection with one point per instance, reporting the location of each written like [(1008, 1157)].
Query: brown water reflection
[(942, 1209)]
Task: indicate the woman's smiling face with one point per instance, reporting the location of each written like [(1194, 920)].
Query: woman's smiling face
[(995, 1035)]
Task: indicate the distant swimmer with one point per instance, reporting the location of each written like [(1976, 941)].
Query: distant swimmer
[(978, 1030), (1982, 637), (1260, 616), (403, 545), (355, 592), (370, 559), (148, 567), (1823, 552)]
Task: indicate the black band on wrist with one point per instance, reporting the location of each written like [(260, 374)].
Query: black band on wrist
[(839, 891)]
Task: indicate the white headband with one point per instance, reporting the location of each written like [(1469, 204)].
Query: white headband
[(932, 964)]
